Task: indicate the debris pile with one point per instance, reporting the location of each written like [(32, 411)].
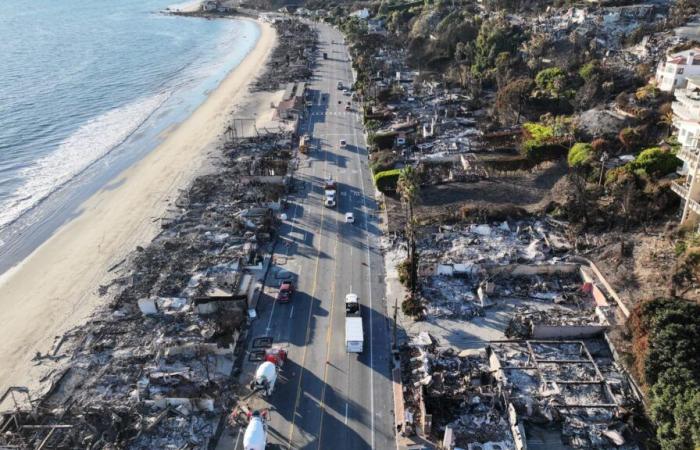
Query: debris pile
[(485, 245), (517, 392), (469, 268), (152, 370), (445, 390), (294, 56), (565, 391)]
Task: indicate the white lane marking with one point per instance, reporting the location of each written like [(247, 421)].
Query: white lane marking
[(320, 244), (346, 413), (371, 307), (238, 437), (291, 312)]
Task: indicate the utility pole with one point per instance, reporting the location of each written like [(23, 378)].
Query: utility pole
[(603, 159), (396, 314)]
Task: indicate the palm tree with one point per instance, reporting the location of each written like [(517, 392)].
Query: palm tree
[(667, 121), (409, 190)]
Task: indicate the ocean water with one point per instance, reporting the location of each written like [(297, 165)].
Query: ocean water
[(86, 89)]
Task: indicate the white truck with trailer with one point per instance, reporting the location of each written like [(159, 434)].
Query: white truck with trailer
[(354, 334)]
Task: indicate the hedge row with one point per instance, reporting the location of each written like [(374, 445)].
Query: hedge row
[(387, 180)]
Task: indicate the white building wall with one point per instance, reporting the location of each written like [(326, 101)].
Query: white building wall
[(686, 118), (671, 75)]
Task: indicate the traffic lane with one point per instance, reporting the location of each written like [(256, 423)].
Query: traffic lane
[(380, 344), (284, 400), (381, 331), (340, 409), (380, 354), (307, 415), (359, 387), (351, 401), (298, 311)]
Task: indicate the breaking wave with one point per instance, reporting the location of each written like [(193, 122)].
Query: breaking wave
[(87, 145)]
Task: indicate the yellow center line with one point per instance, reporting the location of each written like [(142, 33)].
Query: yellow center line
[(308, 319), (308, 331), (329, 335)]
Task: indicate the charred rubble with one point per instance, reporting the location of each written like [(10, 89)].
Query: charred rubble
[(523, 268), (525, 360), (294, 56), (153, 369), (511, 394)]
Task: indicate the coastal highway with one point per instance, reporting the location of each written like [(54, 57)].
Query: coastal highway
[(327, 398)]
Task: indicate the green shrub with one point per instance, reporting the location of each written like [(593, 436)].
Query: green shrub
[(656, 162), (552, 81), (411, 306), (669, 331), (404, 270), (589, 70), (386, 181), (372, 125), (538, 132), (580, 154)]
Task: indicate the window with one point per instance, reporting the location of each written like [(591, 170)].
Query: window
[(680, 70)]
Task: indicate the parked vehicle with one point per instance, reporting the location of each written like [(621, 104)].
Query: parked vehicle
[(349, 217), (354, 334), (343, 143), (340, 85), (284, 295), (304, 142), (255, 436), (265, 378)]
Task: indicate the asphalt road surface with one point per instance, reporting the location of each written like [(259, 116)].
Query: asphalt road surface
[(325, 397)]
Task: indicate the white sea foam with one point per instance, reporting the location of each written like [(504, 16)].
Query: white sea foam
[(92, 141)]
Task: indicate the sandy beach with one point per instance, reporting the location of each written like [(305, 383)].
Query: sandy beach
[(56, 287)]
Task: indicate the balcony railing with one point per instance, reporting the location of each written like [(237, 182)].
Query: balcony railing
[(694, 206), (689, 155), (683, 112), (679, 189)]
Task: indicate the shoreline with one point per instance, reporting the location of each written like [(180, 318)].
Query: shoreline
[(56, 287)]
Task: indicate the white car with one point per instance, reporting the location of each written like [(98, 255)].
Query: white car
[(349, 218), (342, 143), (330, 202)]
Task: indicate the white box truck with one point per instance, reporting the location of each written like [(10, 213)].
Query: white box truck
[(354, 335)]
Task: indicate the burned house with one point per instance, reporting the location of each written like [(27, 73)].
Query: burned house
[(528, 394)]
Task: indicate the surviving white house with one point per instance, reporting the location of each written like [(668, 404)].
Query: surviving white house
[(686, 118), (673, 73), (360, 14)]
